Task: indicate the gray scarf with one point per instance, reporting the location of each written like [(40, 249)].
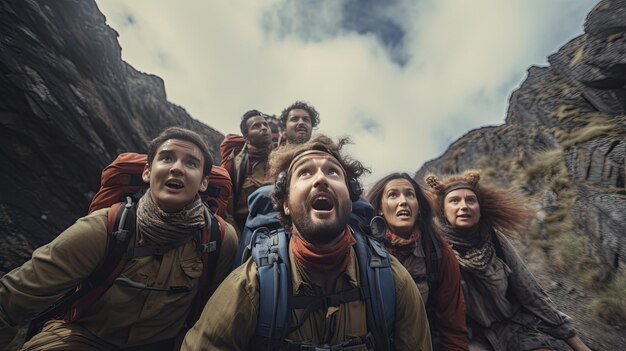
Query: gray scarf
[(161, 228), (473, 247)]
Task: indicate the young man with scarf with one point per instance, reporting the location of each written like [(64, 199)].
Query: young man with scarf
[(313, 201), (246, 158), (170, 214)]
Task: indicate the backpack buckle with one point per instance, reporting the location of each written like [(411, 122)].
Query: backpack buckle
[(120, 234), (208, 247)]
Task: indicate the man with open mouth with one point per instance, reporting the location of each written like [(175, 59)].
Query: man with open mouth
[(149, 302), (313, 194)]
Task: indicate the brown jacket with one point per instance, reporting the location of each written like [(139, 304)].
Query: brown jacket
[(123, 316), (256, 176), (229, 319)]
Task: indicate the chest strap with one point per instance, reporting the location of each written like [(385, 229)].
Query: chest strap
[(367, 340), (311, 303)]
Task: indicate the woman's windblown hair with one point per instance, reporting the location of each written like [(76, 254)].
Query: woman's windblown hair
[(505, 210)]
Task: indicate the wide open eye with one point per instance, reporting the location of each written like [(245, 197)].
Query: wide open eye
[(167, 158), (191, 163), (332, 171), (304, 172)]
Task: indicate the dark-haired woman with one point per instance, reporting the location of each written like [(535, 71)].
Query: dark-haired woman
[(430, 260), (506, 307)]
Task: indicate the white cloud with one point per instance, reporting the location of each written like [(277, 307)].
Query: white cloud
[(466, 58)]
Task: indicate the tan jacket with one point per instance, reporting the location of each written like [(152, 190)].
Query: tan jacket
[(123, 316), (229, 319)]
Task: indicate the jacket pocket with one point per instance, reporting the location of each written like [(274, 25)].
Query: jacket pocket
[(138, 271), (192, 267)]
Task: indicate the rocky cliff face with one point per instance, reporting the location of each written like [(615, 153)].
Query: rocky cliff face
[(564, 144), (68, 106), (571, 115)]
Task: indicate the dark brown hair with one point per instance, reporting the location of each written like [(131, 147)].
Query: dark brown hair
[(181, 134), (315, 116), (281, 158), (375, 197)]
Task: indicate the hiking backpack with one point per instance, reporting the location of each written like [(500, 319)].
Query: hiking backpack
[(121, 188), (123, 177), (230, 147), (266, 241)]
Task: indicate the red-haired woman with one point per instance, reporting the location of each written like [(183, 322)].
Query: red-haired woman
[(506, 307)]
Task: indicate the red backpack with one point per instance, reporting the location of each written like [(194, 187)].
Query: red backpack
[(121, 187), (123, 177)]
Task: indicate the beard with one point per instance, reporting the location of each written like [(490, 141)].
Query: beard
[(321, 232), (298, 139)]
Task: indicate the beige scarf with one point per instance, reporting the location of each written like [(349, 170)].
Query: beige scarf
[(161, 228)]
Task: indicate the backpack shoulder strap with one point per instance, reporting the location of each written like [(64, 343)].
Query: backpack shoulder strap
[(270, 253), (120, 234), (378, 281), (432, 250), (269, 250), (238, 177), (210, 247)]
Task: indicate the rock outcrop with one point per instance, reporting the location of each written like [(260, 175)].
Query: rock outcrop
[(68, 106), (572, 112), (564, 144)]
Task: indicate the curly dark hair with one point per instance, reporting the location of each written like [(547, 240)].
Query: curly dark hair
[(315, 116), (280, 160), (375, 197), (505, 210)]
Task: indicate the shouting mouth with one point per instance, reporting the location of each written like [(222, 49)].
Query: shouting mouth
[(322, 203), (405, 214), (174, 184)]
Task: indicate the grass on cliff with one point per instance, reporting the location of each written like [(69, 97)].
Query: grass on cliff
[(558, 235), (611, 305), (587, 126), (549, 173), (566, 247)]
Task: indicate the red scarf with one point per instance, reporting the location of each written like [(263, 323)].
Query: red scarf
[(399, 246), (332, 259)]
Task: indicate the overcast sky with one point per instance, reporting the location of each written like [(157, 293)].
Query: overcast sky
[(403, 78)]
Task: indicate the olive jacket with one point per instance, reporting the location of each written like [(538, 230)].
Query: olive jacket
[(123, 315), (229, 319)]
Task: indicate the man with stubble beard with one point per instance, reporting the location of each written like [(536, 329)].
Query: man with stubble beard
[(312, 195), (298, 121)]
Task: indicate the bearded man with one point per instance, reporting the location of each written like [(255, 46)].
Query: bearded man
[(313, 195)]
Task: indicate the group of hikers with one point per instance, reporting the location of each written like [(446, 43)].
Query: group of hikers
[(299, 258)]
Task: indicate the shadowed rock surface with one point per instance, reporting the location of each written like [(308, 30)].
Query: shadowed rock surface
[(68, 106)]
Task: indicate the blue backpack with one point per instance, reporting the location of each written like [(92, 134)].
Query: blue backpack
[(265, 240)]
